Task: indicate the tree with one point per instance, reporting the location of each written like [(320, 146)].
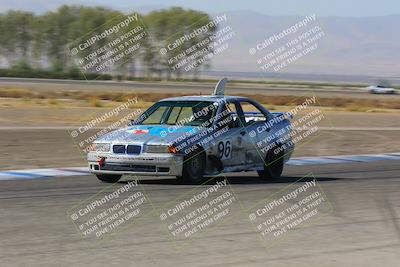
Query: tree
[(27, 40), (165, 26), (16, 36)]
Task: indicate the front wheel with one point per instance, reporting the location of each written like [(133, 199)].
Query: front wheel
[(273, 166), (108, 178), (194, 166)]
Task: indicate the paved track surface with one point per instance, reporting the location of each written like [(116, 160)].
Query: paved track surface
[(363, 228), (189, 88)]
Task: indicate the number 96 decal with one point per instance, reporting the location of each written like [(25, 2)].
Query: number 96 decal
[(225, 149)]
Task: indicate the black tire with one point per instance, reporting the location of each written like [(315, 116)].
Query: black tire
[(273, 166), (194, 166), (108, 178)]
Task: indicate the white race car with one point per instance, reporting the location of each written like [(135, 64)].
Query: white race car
[(379, 89), (194, 136)]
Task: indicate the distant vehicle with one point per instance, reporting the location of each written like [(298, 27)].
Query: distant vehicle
[(194, 136), (380, 89)]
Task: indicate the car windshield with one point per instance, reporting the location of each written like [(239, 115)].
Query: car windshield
[(183, 113)]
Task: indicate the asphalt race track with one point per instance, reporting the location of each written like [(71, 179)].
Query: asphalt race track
[(173, 87), (363, 226)]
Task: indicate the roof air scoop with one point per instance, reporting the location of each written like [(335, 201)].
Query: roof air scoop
[(220, 87)]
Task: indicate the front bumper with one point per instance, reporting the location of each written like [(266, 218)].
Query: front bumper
[(161, 164)]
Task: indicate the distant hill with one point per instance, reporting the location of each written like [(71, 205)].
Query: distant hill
[(353, 46)]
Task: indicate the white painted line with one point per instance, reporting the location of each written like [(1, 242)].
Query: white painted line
[(343, 159), (312, 161)]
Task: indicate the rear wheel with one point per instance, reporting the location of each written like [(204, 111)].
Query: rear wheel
[(194, 165), (108, 178), (273, 166)]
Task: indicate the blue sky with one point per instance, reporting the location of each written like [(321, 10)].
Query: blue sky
[(353, 8)]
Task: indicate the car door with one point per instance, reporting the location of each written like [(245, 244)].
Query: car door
[(230, 147), (253, 119)]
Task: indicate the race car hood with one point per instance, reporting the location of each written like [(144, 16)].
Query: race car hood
[(149, 134)]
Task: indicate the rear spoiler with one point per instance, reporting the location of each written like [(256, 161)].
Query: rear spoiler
[(220, 87)]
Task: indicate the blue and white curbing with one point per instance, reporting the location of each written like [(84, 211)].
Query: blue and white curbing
[(343, 159), (43, 173), (79, 171)]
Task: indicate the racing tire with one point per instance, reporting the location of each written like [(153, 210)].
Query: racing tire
[(273, 166), (108, 178), (194, 165)]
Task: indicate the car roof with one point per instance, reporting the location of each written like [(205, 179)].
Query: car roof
[(210, 98)]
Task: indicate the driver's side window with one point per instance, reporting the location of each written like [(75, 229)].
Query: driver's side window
[(252, 114), (230, 116)]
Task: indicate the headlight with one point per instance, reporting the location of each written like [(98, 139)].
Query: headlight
[(100, 147), (157, 149)]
